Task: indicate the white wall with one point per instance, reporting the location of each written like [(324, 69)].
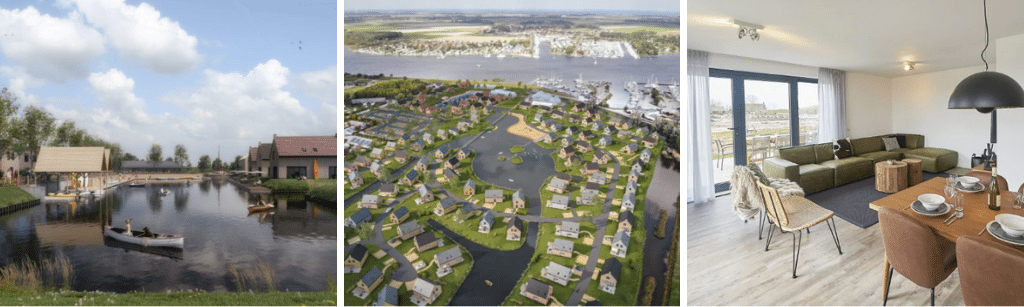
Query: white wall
[(868, 97), (868, 105), (1010, 145), (920, 105)]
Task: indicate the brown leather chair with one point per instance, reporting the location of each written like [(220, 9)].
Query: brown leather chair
[(990, 273), (915, 251), (985, 177)]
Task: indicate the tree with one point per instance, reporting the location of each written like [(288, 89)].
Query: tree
[(218, 164), (8, 107), (204, 163), (64, 133), (460, 216), (129, 157), (155, 153), (35, 128), (181, 155), (365, 231), (238, 163)]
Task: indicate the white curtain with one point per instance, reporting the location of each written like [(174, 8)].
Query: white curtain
[(700, 181), (831, 105)]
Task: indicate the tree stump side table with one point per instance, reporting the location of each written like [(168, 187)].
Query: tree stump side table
[(913, 171), (890, 178)]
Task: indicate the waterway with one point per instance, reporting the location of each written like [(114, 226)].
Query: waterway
[(618, 71), (660, 196), (298, 239)]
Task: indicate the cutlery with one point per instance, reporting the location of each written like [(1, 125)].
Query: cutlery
[(951, 215), (983, 231), (958, 215)]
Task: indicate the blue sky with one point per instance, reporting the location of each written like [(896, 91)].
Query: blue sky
[(538, 5), (199, 73)]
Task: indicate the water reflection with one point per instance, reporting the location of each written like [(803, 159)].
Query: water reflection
[(298, 239)]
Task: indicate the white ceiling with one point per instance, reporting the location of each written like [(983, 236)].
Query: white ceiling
[(871, 36)]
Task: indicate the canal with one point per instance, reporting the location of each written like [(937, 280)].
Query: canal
[(298, 240), (661, 195)]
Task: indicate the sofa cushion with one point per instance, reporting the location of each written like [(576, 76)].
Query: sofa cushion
[(915, 141), (890, 143), (823, 152), (903, 150), (814, 178), (902, 140), (850, 169), (758, 173), (862, 146), (800, 154), (880, 156), (934, 160), (842, 149)]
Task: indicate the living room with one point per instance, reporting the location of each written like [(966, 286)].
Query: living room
[(771, 73)]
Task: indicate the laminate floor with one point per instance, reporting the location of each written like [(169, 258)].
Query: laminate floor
[(727, 265)]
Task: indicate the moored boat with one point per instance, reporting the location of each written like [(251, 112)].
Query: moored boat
[(262, 206), (137, 238), (136, 184)]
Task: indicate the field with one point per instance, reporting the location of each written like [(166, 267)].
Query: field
[(631, 29)]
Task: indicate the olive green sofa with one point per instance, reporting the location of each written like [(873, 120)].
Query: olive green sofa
[(815, 168)]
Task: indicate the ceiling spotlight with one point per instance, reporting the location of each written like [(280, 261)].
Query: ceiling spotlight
[(908, 65), (748, 29)]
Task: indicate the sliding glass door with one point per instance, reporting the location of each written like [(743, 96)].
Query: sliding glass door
[(763, 112)]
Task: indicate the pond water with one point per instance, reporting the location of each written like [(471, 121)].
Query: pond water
[(298, 240)]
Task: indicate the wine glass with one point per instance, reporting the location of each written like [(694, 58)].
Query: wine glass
[(1017, 202), (951, 195), (951, 180)]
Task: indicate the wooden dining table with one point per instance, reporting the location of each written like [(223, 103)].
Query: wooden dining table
[(976, 213)]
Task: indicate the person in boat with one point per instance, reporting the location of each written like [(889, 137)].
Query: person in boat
[(128, 227), (146, 233)]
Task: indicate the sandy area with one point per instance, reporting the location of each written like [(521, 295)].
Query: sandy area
[(524, 130)]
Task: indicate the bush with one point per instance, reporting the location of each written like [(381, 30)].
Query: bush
[(660, 231), (648, 291), (517, 160)]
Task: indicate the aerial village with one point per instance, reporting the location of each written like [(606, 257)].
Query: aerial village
[(455, 167)]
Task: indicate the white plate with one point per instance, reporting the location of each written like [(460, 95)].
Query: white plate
[(996, 231), (977, 188), (919, 208)]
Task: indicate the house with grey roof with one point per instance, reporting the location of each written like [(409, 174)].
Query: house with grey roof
[(388, 296), (638, 165), (589, 193), (598, 178), (360, 217), (391, 146), (631, 187), (538, 117), (649, 141), (631, 148), (583, 147), (409, 229), (464, 153), (449, 258), (556, 273), (424, 292), (556, 126), (518, 201), (605, 141), (355, 259), (469, 210), (370, 201), (626, 221), (401, 156), (609, 277), (425, 241), (418, 145), (376, 168), (470, 188), (645, 155), (410, 177), (568, 229), (453, 131), (355, 179), (628, 202), (600, 157), (399, 215), (452, 163), (428, 138), (572, 130), (550, 137), (537, 291), (620, 243), (634, 175), (445, 206), (590, 168), (370, 280), (494, 196), (486, 222), (514, 228), (451, 175), (377, 153), (557, 185), (425, 194), (558, 201), (422, 164), (560, 247), (442, 134), (597, 126), (362, 161)]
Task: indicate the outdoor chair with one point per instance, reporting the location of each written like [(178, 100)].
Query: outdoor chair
[(915, 251), (793, 214), (989, 272)]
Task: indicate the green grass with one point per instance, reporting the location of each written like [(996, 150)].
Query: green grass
[(540, 259), (644, 28), (516, 149), (15, 296), (327, 192), (13, 195), (494, 239), (517, 160), (368, 180), (295, 185)]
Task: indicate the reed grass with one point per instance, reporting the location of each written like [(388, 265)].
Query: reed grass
[(56, 273), (259, 277)]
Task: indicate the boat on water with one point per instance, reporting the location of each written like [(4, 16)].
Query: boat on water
[(136, 238), (262, 206), (501, 56), (136, 184), (164, 192), (487, 55), (176, 253)]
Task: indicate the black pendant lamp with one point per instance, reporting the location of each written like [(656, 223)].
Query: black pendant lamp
[(987, 91)]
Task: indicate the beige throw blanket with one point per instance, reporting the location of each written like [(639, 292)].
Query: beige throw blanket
[(746, 199)]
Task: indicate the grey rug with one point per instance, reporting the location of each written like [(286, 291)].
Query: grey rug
[(850, 201)]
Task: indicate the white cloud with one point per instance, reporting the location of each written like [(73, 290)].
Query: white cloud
[(20, 81), (117, 91), (320, 84), (49, 48), (142, 35)]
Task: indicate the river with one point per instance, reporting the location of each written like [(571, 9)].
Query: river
[(618, 71), (298, 241)]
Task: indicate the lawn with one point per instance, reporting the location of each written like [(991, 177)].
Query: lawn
[(368, 180), (628, 288), (450, 282), (517, 160), (516, 149), (13, 196), (540, 259), (351, 279), (545, 196), (494, 239)]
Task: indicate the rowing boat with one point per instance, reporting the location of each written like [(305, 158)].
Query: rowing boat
[(254, 208), (137, 238)]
